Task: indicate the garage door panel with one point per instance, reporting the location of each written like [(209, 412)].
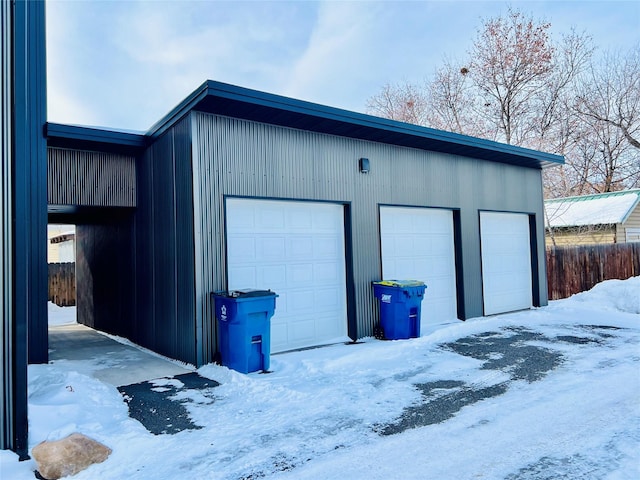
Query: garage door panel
[(269, 219), (506, 262), (271, 247), (325, 298), (278, 333), (300, 301), (326, 246), (441, 244), (274, 275), (298, 252), (324, 273), (300, 274), (244, 276), (326, 326), (302, 331), (326, 221), (299, 220), (244, 248), (418, 243), (242, 222), (406, 265), (421, 242), (422, 265), (440, 267), (300, 246), (389, 246)]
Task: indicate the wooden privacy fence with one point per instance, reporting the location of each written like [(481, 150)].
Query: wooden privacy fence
[(574, 269), (62, 284)]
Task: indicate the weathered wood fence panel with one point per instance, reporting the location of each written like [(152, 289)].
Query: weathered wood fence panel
[(574, 269), (62, 284)]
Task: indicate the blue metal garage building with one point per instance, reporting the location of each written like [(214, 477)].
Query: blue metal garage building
[(237, 188)]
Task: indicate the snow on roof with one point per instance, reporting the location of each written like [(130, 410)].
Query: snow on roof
[(603, 209)]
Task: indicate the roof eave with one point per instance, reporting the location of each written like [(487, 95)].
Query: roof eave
[(79, 137), (211, 96)]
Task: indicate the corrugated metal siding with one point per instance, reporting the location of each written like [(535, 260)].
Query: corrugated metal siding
[(243, 158), (23, 214), (165, 320), (105, 276), (7, 385), (78, 177)]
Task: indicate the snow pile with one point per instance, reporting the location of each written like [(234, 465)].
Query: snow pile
[(61, 315), (318, 414), (621, 295)]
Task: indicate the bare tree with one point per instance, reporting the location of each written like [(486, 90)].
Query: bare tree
[(554, 121), (511, 62), (605, 151), (522, 87), (404, 102), (451, 100), (610, 93)]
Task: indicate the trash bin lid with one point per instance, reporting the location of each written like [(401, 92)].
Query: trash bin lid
[(246, 293), (400, 283)]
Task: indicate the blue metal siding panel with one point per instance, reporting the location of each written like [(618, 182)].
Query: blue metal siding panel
[(105, 276), (185, 274), (164, 219), (243, 158), (90, 178), (165, 247), (24, 214), (11, 369), (30, 176), (144, 329)]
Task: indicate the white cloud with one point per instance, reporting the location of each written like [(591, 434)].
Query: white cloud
[(126, 64), (340, 53)]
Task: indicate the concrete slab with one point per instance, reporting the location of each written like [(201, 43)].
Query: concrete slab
[(106, 359)]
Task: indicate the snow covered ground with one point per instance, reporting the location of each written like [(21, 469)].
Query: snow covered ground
[(544, 394)]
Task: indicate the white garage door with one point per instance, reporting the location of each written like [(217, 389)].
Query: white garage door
[(417, 244), (297, 250), (506, 262)]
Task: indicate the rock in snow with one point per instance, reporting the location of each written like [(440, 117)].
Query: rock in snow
[(68, 456)]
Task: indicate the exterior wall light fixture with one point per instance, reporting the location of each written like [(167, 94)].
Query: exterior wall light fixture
[(364, 165)]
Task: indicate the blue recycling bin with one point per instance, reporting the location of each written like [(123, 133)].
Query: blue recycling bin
[(400, 302), (244, 328)]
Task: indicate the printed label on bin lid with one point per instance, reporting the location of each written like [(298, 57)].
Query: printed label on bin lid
[(400, 283)]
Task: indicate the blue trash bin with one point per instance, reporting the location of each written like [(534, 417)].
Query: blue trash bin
[(244, 328), (400, 302)]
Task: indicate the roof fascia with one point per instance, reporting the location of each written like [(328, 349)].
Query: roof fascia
[(215, 89), (73, 136), (360, 119), (180, 111)]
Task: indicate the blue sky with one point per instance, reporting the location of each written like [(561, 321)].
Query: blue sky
[(124, 64)]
